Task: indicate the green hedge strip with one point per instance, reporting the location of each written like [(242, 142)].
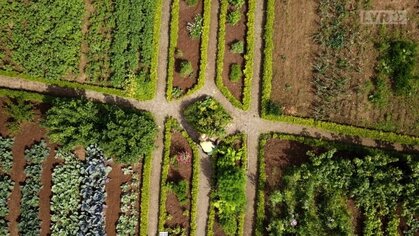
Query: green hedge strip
[(145, 195), (156, 46), (173, 37)]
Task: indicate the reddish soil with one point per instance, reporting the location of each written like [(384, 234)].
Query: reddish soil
[(234, 33), (179, 172), (218, 231), (295, 24), (188, 48)]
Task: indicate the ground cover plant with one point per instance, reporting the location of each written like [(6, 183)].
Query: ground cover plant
[(179, 183), (188, 46), (228, 196), (235, 47), (348, 78), (84, 42), (320, 187), (207, 116)]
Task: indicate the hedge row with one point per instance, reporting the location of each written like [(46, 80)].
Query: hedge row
[(330, 126), (174, 28), (248, 57), (196, 169), (171, 124), (156, 46), (145, 195), (204, 49), (260, 189)]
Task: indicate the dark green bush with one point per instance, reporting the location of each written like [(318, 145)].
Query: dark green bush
[(237, 47), (235, 72), (186, 68), (233, 17), (18, 110), (272, 108), (399, 61), (207, 116), (191, 2), (125, 135)]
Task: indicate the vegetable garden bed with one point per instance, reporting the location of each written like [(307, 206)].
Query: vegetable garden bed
[(342, 74), (228, 191), (85, 43), (189, 34), (60, 191), (319, 187), (235, 50), (179, 183)]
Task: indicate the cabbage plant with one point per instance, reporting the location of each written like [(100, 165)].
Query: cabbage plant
[(6, 187), (6, 156)]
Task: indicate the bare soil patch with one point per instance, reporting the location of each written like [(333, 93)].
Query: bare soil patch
[(234, 33), (187, 48), (294, 49)]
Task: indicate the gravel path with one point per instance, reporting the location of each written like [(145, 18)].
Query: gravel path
[(248, 122)]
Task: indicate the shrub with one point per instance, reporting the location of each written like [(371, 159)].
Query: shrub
[(191, 2), (235, 72), (237, 47), (19, 110), (177, 92), (273, 108), (180, 189), (236, 3), (186, 69), (207, 116), (233, 17), (195, 27)]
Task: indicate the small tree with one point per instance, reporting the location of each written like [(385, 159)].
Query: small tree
[(234, 17), (237, 47), (235, 72), (186, 68)]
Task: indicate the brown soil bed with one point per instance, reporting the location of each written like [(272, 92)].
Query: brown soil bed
[(294, 52), (188, 48), (179, 172), (234, 33)]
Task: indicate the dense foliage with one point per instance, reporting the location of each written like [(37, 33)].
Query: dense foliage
[(235, 72), (41, 38), (233, 17), (128, 219), (186, 68), (237, 47), (399, 60), (18, 111), (229, 197), (92, 219), (313, 197), (65, 200), (6, 155), (30, 223), (6, 187), (195, 27), (207, 116), (124, 134)]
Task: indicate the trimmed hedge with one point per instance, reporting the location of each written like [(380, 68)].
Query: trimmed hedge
[(174, 28), (330, 126), (248, 57), (145, 195), (171, 124), (156, 46)]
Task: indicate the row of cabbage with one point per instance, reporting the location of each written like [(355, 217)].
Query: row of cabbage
[(6, 183), (78, 201)]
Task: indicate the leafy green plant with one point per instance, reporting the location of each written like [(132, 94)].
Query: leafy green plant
[(177, 92), (18, 110), (207, 116), (30, 223), (66, 198), (234, 17), (180, 189), (237, 47), (195, 27), (191, 2), (6, 155), (6, 187), (236, 3), (186, 69), (235, 73)]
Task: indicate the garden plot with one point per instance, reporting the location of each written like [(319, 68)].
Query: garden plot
[(60, 189), (327, 188), (179, 184), (329, 66)]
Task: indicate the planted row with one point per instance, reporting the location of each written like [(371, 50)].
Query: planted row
[(30, 223), (6, 183), (128, 219), (6, 155)]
